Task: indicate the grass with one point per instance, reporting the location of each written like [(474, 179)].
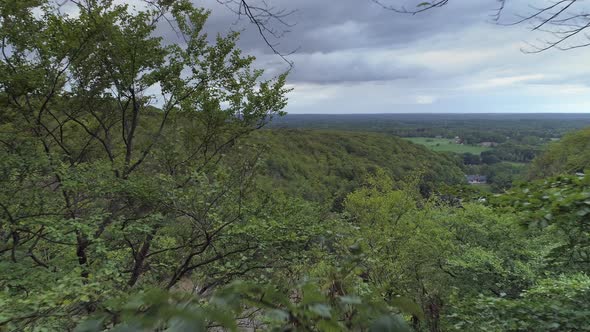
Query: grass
[(447, 145)]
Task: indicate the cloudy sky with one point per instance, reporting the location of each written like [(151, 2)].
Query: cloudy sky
[(355, 57)]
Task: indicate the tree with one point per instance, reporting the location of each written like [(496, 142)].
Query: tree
[(405, 244), (555, 304), (101, 191), (560, 206), (439, 256), (471, 159), (489, 157), (568, 156)]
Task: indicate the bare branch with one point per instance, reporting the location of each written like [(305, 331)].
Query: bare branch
[(264, 17), (563, 20), (419, 8)]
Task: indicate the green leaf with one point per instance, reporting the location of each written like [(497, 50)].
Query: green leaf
[(278, 315), (408, 306), (221, 316), (183, 324), (350, 299), (583, 212), (355, 249), (127, 328), (91, 325), (330, 325), (321, 310), (390, 323), (311, 294)]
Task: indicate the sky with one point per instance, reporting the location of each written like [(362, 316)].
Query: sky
[(353, 56)]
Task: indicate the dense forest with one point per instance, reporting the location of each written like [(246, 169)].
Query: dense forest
[(324, 166), (153, 186)]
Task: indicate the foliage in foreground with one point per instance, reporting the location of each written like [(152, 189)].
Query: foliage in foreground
[(247, 305), (409, 264), (555, 304)]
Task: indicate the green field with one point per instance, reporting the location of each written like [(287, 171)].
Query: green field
[(446, 145)]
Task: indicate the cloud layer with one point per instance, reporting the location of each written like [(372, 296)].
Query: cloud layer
[(353, 56)]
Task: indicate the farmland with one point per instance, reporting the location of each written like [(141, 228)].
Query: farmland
[(447, 145)]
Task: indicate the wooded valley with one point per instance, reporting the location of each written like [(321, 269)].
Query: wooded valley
[(156, 186)]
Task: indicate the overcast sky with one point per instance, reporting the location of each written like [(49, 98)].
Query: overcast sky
[(355, 57)]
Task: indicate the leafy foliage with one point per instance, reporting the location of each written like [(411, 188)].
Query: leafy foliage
[(325, 166), (102, 193), (116, 215), (561, 205), (569, 155), (557, 304)]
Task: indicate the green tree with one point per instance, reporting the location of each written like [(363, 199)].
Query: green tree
[(100, 191), (405, 241), (554, 304), (569, 155), (560, 206)]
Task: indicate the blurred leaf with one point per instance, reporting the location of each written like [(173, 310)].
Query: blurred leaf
[(390, 323), (408, 306), (91, 325), (321, 310), (350, 299)]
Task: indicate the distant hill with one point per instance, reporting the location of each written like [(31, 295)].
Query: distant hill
[(569, 155), (323, 165)]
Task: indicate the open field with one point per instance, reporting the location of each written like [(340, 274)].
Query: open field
[(446, 145)]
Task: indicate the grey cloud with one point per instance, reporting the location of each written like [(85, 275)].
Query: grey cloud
[(355, 66), (336, 39), (451, 57), (329, 25)]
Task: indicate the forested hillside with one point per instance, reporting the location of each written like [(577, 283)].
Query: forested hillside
[(324, 166)]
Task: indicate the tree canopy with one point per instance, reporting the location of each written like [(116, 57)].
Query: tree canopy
[(569, 155)]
